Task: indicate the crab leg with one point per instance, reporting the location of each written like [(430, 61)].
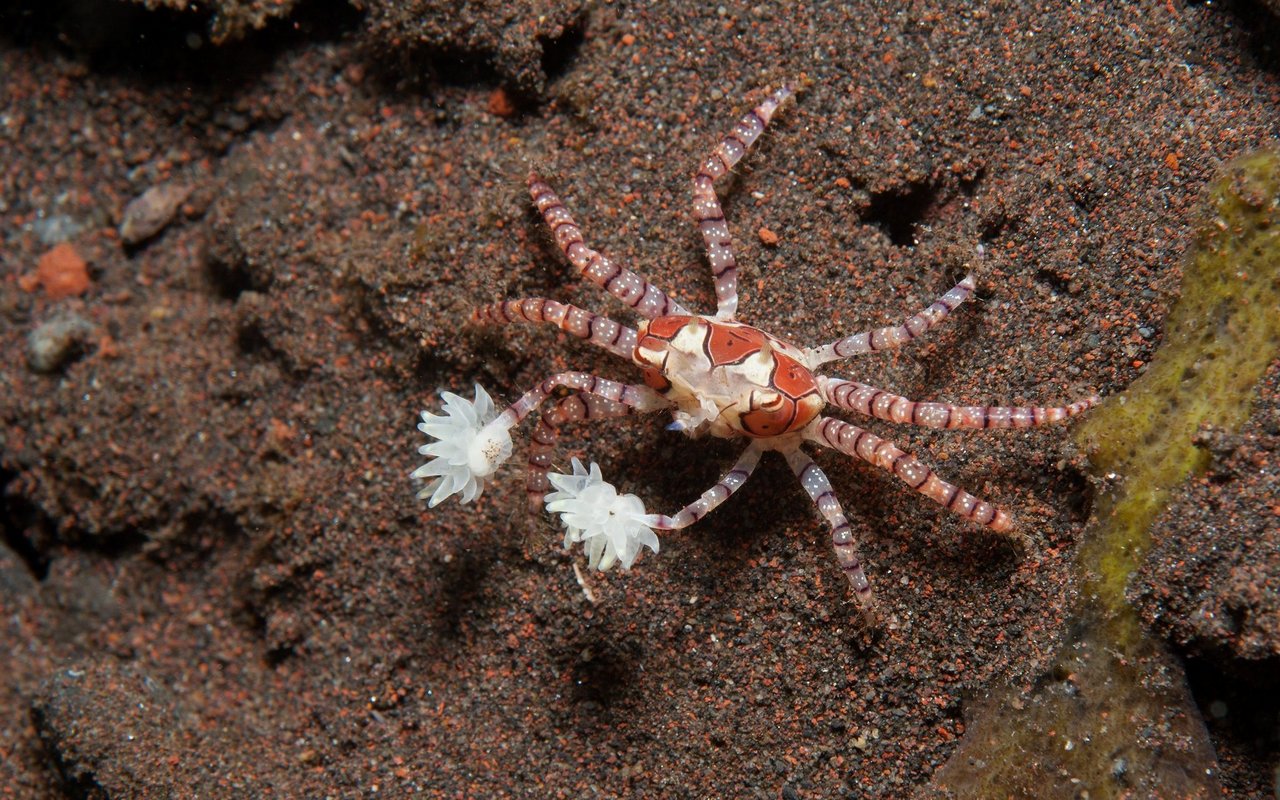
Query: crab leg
[(854, 441), (723, 489), (599, 330), (574, 408), (622, 283), (815, 482), (641, 398), (893, 336), (880, 404), (706, 206)]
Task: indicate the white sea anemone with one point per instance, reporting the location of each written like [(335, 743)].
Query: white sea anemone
[(473, 443), (611, 526)]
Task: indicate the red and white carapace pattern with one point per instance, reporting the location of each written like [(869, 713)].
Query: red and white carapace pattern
[(723, 378), (728, 378)]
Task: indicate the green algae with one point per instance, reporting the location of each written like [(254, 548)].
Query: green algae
[(1114, 718), (1220, 337)]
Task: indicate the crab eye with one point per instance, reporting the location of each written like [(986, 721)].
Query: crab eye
[(768, 414), (653, 352), (767, 401)]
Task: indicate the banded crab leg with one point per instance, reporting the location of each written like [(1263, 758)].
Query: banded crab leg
[(816, 484), (472, 442), (599, 330), (717, 494), (873, 402), (622, 283), (854, 441), (893, 336), (706, 206), (641, 398), (574, 408)]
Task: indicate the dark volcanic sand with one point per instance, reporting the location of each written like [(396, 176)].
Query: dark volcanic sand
[(216, 578)]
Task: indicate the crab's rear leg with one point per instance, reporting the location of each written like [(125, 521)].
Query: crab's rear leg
[(816, 484), (706, 206), (880, 404), (574, 408), (622, 283), (893, 336), (600, 331), (854, 441), (717, 494)]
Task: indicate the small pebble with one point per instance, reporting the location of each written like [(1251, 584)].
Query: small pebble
[(500, 103), (150, 213), (62, 272), (768, 237), (56, 229), (57, 341)]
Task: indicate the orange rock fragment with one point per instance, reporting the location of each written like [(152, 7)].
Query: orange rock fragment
[(63, 272), (279, 433), (500, 104), (768, 237)]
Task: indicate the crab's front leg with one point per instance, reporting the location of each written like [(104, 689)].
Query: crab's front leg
[(613, 527), (473, 441), (574, 408), (641, 398), (717, 494)]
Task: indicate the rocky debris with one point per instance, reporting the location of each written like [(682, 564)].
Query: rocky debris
[(61, 272), (514, 40), (151, 212), (1211, 584), (57, 341), (230, 20)]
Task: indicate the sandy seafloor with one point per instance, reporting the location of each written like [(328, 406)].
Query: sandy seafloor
[(216, 580)]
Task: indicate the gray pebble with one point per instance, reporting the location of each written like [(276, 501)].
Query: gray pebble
[(57, 341), (148, 214), (56, 229)]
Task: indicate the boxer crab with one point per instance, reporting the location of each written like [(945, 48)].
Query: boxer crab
[(717, 376)]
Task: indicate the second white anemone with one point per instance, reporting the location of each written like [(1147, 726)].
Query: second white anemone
[(473, 443), (611, 526)]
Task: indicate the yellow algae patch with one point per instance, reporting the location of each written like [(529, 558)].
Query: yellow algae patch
[(1220, 336), (1114, 718)]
